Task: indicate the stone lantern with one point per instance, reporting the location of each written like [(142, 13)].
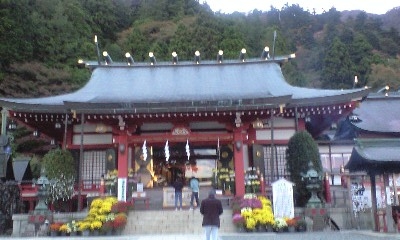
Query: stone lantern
[(42, 192), (41, 215), (313, 181), (315, 208)]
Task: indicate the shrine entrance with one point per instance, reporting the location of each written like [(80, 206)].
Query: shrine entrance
[(200, 163)]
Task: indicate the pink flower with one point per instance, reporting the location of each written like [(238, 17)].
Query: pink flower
[(237, 218), (251, 203)]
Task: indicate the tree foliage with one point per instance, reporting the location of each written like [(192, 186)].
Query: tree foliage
[(338, 68), (55, 33), (59, 166), (302, 149), (58, 162)]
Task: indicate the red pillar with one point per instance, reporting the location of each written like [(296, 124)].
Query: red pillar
[(238, 158), (122, 166), (327, 185)]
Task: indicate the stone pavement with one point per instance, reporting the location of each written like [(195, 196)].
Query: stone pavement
[(326, 235)]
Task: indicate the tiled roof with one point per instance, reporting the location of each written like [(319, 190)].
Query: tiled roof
[(379, 113), (375, 156), (252, 84)]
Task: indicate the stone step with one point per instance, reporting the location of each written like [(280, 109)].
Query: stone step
[(171, 221)]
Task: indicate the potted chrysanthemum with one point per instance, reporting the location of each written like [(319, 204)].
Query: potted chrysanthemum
[(119, 207), (55, 228), (95, 227), (65, 229), (72, 228), (120, 221), (280, 225), (238, 220), (291, 223), (301, 225), (251, 224), (250, 201), (107, 228), (84, 227), (111, 181)]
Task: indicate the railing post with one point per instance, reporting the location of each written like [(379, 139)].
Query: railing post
[(102, 186)]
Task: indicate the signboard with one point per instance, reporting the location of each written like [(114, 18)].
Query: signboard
[(122, 185), (139, 187), (282, 192)]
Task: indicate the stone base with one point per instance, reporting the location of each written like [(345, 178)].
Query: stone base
[(22, 227), (319, 217)]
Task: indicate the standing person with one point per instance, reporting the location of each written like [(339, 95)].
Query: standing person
[(194, 186), (178, 185), (211, 209)]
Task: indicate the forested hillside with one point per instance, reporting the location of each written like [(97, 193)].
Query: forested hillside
[(41, 41)]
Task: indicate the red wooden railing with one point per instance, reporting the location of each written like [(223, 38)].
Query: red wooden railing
[(28, 192)]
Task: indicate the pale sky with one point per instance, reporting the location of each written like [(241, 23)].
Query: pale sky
[(370, 6)]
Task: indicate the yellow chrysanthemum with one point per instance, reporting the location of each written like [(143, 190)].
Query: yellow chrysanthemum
[(250, 223), (63, 228), (96, 203), (83, 225), (111, 200), (105, 208), (90, 218), (246, 212), (101, 218), (264, 201), (93, 212), (95, 225)]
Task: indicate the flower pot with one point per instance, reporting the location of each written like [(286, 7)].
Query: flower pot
[(85, 233), (72, 234), (95, 233), (240, 229), (261, 228), (292, 229), (118, 231), (301, 228), (53, 233)]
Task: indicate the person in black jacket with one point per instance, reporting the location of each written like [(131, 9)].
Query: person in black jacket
[(211, 209), (178, 185)]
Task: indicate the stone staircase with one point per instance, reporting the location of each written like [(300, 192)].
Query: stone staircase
[(170, 221)]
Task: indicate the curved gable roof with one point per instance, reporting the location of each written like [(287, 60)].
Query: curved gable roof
[(375, 156), (253, 83), (379, 113)]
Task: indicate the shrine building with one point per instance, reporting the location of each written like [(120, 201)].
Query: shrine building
[(164, 120)]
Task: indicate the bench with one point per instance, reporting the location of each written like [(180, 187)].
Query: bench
[(146, 201)]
